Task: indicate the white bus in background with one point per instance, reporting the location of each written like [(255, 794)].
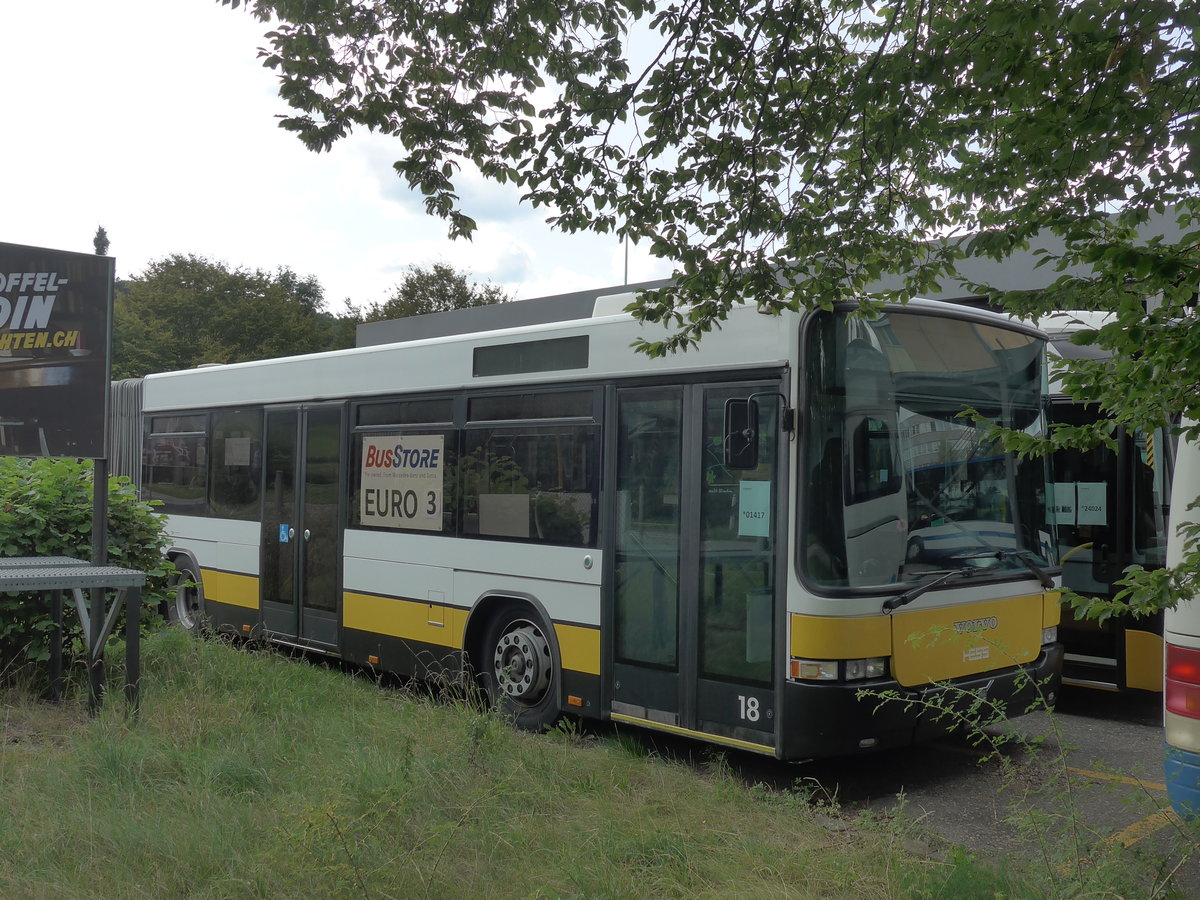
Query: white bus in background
[(1181, 633), (729, 543)]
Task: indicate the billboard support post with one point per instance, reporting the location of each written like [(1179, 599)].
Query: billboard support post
[(99, 558)]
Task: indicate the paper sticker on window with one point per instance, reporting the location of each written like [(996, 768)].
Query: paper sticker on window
[(1093, 503), (237, 451), (754, 509), (1062, 510)]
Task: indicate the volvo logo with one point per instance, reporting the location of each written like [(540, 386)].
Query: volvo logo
[(970, 626)]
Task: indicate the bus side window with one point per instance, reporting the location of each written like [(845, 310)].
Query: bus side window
[(174, 464), (236, 463), (534, 483)]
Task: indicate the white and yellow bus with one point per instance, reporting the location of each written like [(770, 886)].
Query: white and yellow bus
[(730, 543)]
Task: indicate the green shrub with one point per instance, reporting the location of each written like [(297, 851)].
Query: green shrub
[(46, 510)]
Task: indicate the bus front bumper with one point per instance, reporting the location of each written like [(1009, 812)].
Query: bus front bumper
[(838, 719)]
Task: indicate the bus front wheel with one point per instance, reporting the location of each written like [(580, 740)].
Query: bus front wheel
[(518, 668), (185, 606)]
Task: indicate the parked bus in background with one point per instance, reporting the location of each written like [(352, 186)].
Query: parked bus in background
[(1111, 508), (731, 543), (1181, 632)]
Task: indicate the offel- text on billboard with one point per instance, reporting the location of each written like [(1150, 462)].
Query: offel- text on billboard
[(55, 326)]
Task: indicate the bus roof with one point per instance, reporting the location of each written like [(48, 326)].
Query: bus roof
[(597, 346)]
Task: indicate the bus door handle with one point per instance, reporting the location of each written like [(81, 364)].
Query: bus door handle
[(307, 535)]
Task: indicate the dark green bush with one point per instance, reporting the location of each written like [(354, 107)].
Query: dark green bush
[(46, 510)]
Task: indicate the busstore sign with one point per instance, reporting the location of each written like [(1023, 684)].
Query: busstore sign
[(55, 328)]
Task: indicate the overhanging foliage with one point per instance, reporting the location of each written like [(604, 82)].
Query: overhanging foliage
[(792, 154), (778, 153)]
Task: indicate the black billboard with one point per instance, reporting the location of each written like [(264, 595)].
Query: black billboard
[(55, 334)]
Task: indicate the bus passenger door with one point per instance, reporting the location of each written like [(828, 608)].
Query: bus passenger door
[(695, 608), (301, 524), (648, 546), (737, 601)]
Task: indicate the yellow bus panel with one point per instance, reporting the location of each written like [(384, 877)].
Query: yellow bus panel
[(230, 587), (1051, 608), (580, 648), (413, 620), (933, 644), (840, 637), (1143, 660), (954, 641)]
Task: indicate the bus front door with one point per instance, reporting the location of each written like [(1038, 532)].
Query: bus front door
[(301, 524), (694, 603)]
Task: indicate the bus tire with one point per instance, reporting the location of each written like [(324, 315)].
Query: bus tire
[(185, 606), (518, 670)]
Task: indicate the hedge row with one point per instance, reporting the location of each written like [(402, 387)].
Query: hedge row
[(46, 510)]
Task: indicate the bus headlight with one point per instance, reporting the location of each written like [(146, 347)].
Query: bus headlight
[(814, 669), (838, 670), (858, 669), (1050, 635)]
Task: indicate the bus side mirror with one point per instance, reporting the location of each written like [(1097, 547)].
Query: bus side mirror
[(741, 434)]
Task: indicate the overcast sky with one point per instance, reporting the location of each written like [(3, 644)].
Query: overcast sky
[(155, 119)]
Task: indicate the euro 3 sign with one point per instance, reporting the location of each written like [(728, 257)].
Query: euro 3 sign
[(402, 478)]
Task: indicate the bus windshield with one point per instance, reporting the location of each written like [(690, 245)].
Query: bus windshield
[(899, 484)]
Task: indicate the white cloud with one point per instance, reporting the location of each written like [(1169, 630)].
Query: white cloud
[(156, 120)]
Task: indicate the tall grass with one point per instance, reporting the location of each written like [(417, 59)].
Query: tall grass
[(249, 775)]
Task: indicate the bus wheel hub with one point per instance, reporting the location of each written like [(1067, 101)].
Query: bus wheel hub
[(522, 663)]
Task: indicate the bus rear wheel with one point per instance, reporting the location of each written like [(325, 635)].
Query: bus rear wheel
[(518, 668)]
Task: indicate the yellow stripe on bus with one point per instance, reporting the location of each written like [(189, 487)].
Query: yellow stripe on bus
[(412, 620), (687, 732), (230, 588), (841, 637), (431, 623)]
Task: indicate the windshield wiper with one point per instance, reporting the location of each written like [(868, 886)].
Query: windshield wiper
[(934, 579), (1025, 557), (943, 575)]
